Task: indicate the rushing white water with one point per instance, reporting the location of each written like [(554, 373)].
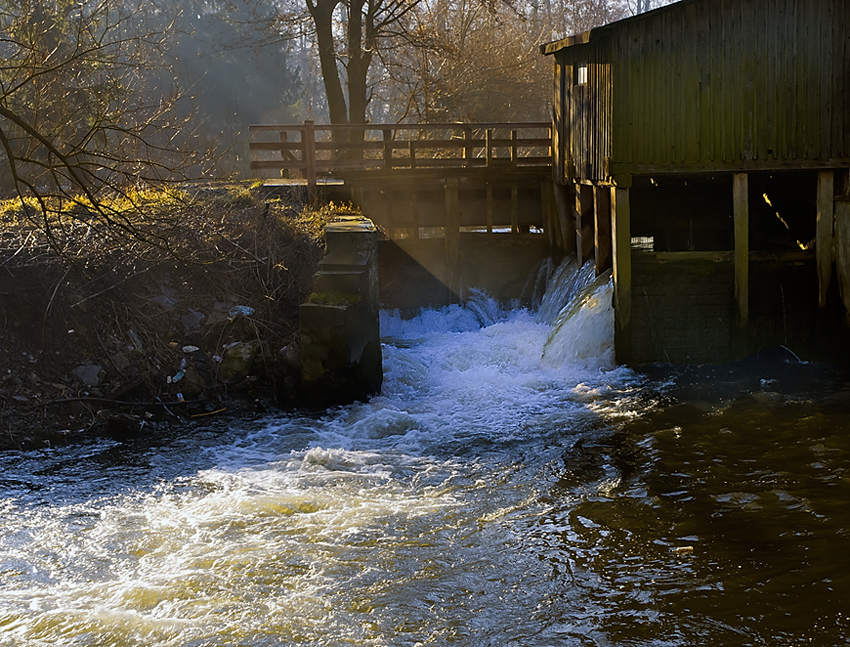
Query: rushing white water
[(401, 521), (510, 486)]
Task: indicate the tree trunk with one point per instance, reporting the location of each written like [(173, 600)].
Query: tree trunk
[(322, 13), (359, 59)]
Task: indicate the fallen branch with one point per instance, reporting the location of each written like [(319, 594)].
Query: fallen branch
[(123, 403)]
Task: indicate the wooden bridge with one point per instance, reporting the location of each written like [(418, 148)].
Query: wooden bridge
[(444, 195)]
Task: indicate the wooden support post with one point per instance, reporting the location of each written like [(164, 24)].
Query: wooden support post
[(557, 231), (453, 239), (308, 138), (740, 202), (489, 208), (842, 242), (513, 147), (602, 228), (564, 205), (824, 233), (514, 209), (584, 222), (621, 253), (387, 134)]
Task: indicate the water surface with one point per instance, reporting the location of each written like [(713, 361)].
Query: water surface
[(510, 486)]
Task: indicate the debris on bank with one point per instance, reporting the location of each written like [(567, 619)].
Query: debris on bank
[(186, 312)]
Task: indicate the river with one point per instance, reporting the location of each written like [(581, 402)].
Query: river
[(510, 486)]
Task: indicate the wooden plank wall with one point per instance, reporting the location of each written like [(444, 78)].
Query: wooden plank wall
[(715, 85)]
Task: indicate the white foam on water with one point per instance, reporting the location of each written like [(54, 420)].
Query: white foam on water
[(301, 526)]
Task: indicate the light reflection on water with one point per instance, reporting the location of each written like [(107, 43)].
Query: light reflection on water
[(485, 498)]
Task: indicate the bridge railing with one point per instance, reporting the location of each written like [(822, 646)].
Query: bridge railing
[(311, 150)]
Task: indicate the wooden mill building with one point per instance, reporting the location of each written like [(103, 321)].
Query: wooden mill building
[(703, 150)]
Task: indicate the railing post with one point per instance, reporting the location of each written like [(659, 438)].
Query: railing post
[(513, 146), (284, 155), (411, 146), (387, 135), (308, 138), (467, 137), (488, 145)]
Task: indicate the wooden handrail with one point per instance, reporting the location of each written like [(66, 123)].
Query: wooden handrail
[(346, 147), (465, 125)]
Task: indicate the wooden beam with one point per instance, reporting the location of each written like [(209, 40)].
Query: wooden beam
[(621, 253), (824, 232), (740, 202), (602, 228)]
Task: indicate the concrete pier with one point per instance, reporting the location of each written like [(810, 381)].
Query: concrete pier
[(339, 325)]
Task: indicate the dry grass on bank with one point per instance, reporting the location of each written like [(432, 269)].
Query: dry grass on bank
[(204, 267)]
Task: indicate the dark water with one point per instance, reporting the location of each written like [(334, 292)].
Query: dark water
[(510, 486)]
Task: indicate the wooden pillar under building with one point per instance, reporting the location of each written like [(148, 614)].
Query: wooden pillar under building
[(824, 233), (584, 222), (841, 234), (453, 239), (621, 253), (564, 208), (602, 228), (549, 210), (741, 210)]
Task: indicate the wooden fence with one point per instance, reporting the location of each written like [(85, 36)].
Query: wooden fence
[(312, 151)]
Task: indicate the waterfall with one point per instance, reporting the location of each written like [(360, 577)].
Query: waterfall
[(565, 284), (583, 331), (578, 306)]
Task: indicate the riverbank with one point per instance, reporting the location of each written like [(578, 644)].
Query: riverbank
[(187, 312)]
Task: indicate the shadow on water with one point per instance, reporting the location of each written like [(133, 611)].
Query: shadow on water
[(109, 467), (718, 517)]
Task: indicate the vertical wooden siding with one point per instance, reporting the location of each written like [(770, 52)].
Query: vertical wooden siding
[(589, 118), (714, 85)]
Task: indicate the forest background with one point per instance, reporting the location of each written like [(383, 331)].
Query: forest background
[(98, 95)]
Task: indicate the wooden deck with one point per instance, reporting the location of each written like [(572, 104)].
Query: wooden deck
[(312, 151)]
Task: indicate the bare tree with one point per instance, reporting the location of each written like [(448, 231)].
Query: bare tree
[(348, 36), (467, 60), (86, 109)]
